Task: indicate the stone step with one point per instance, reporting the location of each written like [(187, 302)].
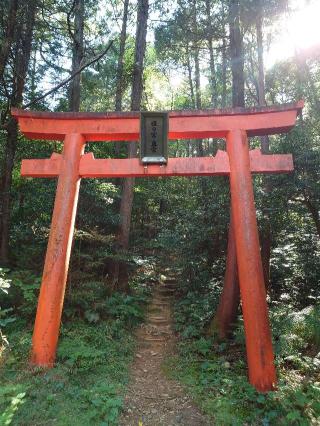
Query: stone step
[(163, 292), (170, 280), (165, 288), (164, 323), (154, 345), (160, 317), (170, 286), (149, 338), (160, 303), (166, 292)]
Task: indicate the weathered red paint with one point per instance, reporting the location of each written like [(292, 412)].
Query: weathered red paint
[(48, 317), (260, 356), (124, 126), (194, 166), (234, 125)]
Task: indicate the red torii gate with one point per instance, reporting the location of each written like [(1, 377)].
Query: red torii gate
[(235, 125)]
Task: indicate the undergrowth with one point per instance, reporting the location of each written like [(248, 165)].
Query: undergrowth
[(215, 373), (96, 346)]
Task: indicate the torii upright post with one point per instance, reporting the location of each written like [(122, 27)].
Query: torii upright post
[(235, 125), (47, 324), (251, 280)]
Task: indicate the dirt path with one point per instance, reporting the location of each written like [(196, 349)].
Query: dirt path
[(152, 399)]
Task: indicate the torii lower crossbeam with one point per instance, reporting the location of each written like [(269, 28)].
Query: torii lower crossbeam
[(75, 129)]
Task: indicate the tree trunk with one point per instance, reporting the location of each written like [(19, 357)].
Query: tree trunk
[(236, 54), (123, 36), (128, 185), (190, 78), (224, 59), (266, 237), (230, 296), (119, 84), (314, 211), (9, 35), (23, 40), (77, 54), (224, 73), (213, 81), (198, 94), (11, 145)]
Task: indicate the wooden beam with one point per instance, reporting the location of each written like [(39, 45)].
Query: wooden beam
[(190, 166), (182, 124)]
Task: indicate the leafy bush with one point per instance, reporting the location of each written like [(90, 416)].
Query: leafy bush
[(126, 308), (87, 383), (10, 399), (215, 373), (221, 389), (5, 314), (103, 403), (23, 294)]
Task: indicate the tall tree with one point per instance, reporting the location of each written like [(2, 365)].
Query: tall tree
[(230, 296), (8, 36), (123, 36), (21, 49), (236, 54), (265, 146), (224, 57), (120, 65), (76, 34), (136, 95), (210, 38)]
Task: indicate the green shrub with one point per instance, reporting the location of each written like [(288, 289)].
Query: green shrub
[(11, 397)]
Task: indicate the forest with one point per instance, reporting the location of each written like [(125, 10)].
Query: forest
[(141, 342)]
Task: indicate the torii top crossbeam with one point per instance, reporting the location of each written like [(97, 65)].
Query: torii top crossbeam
[(235, 125), (186, 124)]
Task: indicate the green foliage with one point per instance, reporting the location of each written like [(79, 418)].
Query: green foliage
[(4, 281), (90, 300), (221, 389), (125, 308), (5, 314), (23, 293), (194, 311), (103, 404), (87, 382), (78, 355), (13, 402), (95, 348), (215, 373), (296, 336)]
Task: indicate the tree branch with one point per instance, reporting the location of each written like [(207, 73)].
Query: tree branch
[(81, 68)]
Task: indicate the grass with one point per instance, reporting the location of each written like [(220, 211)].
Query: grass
[(96, 347), (215, 374), (222, 392), (88, 382), (85, 387)]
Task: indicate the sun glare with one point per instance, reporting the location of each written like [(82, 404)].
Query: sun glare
[(299, 30)]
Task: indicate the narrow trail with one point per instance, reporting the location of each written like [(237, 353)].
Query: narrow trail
[(152, 399)]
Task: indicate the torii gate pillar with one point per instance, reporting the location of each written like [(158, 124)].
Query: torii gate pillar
[(252, 287), (54, 278)]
